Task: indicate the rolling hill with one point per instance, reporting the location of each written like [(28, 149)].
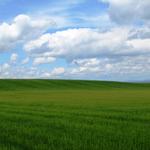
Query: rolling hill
[(14, 84)]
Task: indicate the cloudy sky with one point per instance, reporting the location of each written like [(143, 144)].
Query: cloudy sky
[(75, 39)]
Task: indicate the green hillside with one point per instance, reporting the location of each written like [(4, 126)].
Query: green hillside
[(74, 115), (66, 84)]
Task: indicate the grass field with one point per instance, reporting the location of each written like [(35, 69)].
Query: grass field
[(74, 115)]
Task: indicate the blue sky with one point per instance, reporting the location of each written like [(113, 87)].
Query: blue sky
[(75, 39)]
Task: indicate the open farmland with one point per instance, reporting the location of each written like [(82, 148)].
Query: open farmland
[(74, 115)]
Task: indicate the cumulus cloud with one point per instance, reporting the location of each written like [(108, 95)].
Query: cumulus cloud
[(78, 43), (121, 50), (110, 68), (55, 73), (43, 60), (23, 27), (88, 43), (58, 71), (8, 70), (129, 11), (112, 51)]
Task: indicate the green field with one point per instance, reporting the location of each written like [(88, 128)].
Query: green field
[(74, 115)]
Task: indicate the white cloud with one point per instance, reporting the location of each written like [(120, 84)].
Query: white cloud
[(5, 66), (58, 71), (88, 52), (110, 68), (22, 28), (55, 73), (14, 57), (25, 61), (93, 53), (140, 44), (11, 71), (78, 43), (4, 69), (129, 11), (43, 60), (87, 62), (88, 43)]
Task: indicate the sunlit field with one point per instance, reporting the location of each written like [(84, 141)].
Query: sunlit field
[(74, 115)]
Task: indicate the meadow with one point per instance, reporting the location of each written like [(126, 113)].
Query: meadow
[(74, 115)]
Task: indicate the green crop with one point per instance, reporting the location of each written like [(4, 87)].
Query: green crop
[(74, 115)]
